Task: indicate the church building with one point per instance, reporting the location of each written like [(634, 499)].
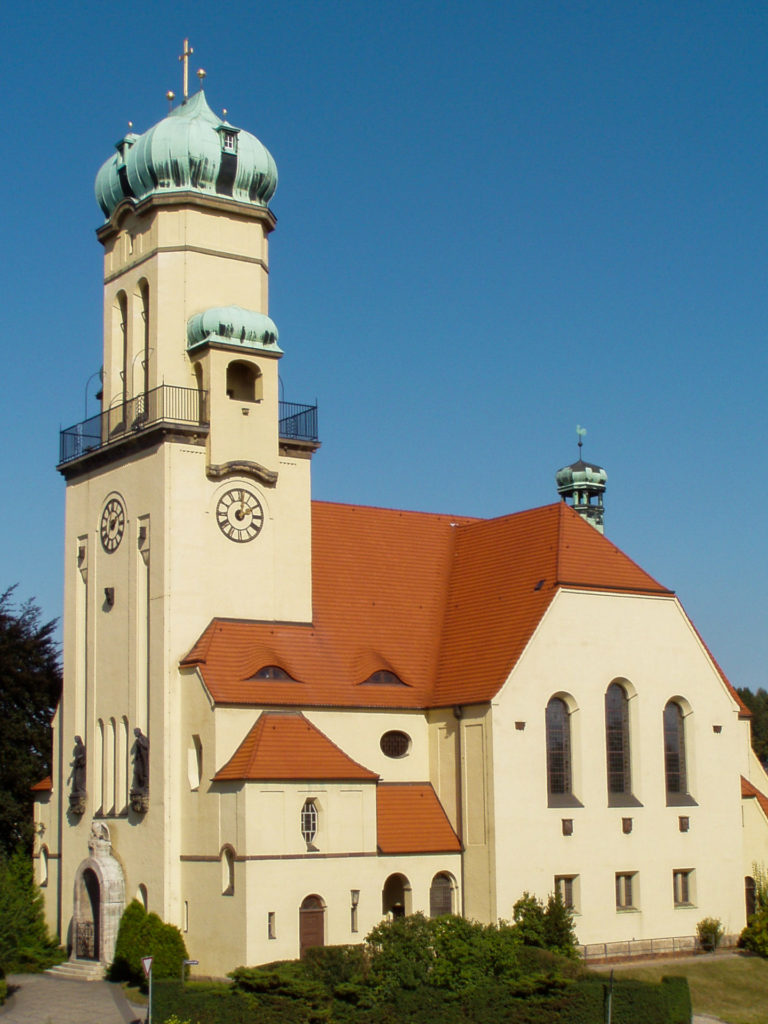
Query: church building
[(283, 720)]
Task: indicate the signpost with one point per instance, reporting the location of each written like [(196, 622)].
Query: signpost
[(146, 963), (184, 965)]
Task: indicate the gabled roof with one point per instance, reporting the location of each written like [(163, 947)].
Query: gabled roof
[(285, 746), (411, 819), (43, 786), (748, 790), (445, 604)]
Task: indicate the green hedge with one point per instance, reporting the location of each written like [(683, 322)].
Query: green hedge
[(550, 1001)]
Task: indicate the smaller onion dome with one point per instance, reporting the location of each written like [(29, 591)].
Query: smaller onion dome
[(582, 485), (233, 326), (581, 476), (192, 149)]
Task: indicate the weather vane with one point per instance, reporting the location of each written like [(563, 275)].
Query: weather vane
[(581, 433), (184, 58)]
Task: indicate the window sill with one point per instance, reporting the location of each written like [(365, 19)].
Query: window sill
[(627, 910), (563, 800), (680, 800), (623, 800)]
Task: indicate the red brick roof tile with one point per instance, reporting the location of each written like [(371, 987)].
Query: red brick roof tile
[(285, 746), (43, 786), (446, 604), (748, 790), (411, 819)]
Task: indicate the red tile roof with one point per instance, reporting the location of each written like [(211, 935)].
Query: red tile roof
[(43, 786), (411, 820), (446, 604), (748, 790), (285, 746)]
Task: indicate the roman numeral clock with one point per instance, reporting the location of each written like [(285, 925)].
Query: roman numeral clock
[(239, 515)]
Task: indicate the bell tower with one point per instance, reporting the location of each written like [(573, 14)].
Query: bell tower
[(582, 485), (188, 496)]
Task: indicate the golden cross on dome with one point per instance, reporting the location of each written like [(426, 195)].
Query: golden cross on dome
[(184, 58)]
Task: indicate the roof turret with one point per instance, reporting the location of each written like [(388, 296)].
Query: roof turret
[(584, 484), (192, 149)]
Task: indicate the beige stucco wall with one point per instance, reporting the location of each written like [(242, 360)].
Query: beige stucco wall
[(586, 641)]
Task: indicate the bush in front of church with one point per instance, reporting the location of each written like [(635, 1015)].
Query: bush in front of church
[(142, 934), (25, 944)]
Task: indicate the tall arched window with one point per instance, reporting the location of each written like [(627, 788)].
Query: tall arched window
[(558, 721), (675, 770), (227, 871), (617, 741)]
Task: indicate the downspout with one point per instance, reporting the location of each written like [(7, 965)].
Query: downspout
[(458, 714)]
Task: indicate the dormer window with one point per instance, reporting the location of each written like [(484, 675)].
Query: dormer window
[(228, 140), (273, 672)]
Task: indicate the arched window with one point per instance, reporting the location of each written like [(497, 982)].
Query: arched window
[(144, 295), (309, 821), (558, 722), (441, 895), (396, 896), (43, 868), (750, 895), (675, 770), (617, 741), (244, 382), (227, 871)]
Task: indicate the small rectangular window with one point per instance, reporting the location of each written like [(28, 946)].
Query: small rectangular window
[(271, 934), (626, 890), (682, 885), (567, 887), (185, 922)]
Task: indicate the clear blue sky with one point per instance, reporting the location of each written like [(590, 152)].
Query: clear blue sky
[(496, 220)]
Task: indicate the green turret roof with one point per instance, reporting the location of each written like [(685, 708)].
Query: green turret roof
[(192, 149), (233, 326)]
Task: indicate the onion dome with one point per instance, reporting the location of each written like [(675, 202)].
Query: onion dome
[(192, 149), (582, 484), (235, 327), (581, 476)]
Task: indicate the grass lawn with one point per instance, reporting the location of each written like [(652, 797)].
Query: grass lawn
[(734, 988)]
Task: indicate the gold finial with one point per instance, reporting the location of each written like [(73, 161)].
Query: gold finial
[(201, 75), (130, 125), (170, 96), (184, 58), (224, 113)]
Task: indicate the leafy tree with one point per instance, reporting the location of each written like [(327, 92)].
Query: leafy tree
[(758, 705), (30, 685), (25, 944)]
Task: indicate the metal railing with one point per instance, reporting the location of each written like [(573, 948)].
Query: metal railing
[(167, 404), (298, 422), (164, 404)]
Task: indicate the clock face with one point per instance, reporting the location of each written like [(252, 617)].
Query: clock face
[(239, 515), (112, 524)]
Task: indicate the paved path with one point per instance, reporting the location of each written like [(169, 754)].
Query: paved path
[(44, 999)]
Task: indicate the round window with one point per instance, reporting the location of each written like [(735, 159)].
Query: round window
[(395, 743)]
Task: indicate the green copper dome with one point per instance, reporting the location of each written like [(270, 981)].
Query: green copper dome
[(232, 325), (190, 150), (581, 476)]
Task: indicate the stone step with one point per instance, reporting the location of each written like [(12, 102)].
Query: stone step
[(79, 970)]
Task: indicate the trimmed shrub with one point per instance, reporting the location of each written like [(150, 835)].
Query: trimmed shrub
[(678, 997), (3, 987), (142, 934), (710, 931), (755, 935)]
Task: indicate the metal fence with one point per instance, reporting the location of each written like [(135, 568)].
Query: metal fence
[(168, 404)]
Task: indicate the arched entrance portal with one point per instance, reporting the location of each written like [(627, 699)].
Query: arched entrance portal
[(396, 896), (99, 900), (311, 924), (86, 937)]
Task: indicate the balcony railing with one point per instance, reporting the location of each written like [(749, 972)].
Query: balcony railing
[(167, 404)]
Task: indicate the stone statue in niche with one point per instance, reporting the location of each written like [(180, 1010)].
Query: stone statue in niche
[(77, 777), (140, 785)]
